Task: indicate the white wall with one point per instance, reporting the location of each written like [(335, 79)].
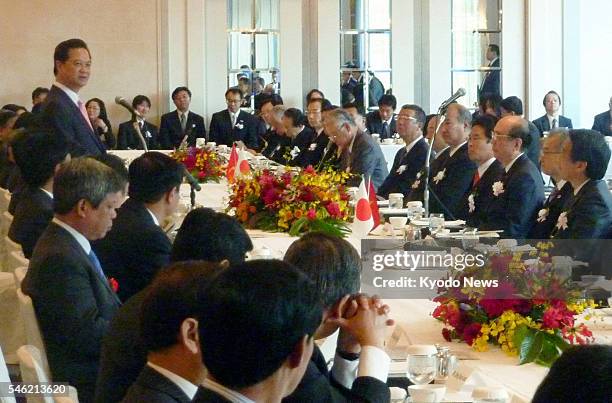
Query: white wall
[(291, 52)]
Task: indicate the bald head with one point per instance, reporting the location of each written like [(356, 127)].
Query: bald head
[(511, 137)]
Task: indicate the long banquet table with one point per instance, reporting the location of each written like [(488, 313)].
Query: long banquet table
[(415, 325)]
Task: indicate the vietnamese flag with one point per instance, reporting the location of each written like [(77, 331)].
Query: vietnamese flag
[(231, 165), (373, 204)]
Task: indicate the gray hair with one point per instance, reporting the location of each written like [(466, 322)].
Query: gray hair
[(562, 133), (278, 111), (84, 179), (340, 117), (463, 113)]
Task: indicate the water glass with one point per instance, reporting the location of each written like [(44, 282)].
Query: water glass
[(436, 222), (422, 362), (396, 200)]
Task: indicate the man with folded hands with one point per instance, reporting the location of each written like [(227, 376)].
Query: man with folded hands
[(518, 195), (360, 365)]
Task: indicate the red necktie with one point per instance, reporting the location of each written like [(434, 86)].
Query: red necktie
[(84, 113), (476, 178)]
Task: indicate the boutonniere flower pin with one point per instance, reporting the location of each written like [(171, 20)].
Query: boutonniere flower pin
[(295, 152), (498, 188), (401, 169), (542, 215), (471, 203), (562, 221), (114, 284), (439, 176), (313, 146), (240, 125)]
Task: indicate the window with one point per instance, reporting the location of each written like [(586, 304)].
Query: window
[(253, 41), (476, 24), (365, 51)]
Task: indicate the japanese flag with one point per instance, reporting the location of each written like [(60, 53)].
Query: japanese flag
[(363, 220), (242, 166)]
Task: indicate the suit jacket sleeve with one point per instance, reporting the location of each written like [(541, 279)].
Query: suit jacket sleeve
[(363, 161), (457, 183), (200, 131), (251, 139), (164, 134), (27, 234), (78, 324), (214, 129)]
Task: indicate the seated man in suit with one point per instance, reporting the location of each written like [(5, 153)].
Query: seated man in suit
[(137, 247), (409, 160), (383, 120), (267, 105), (204, 235), (583, 163), (330, 157), (513, 106), (360, 154), (127, 138), (234, 124), (278, 139), (314, 153), (301, 136), (63, 110), (552, 148), (268, 311), (38, 154), (72, 298), (181, 124), (518, 195), (552, 119), (452, 172), (169, 334), (39, 95), (480, 151), (603, 121), (359, 373)]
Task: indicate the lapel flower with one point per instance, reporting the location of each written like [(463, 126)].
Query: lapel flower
[(498, 188), (313, 146), (416, 183), (401, 169), (439, 176), (240, 125), (148, 134), (114, 284), (562, 221), (295, 152), (542, 215), (471, 203)]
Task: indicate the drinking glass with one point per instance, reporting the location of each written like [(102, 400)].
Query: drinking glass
[(436, 222), (422, 363)]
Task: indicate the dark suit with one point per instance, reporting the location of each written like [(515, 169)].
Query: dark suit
[(602, 123), (153, 387), (134, 249), (245, 129), (374, 124), (74, 306), (483, 195), (533, 151), (316, 148), (109, 138), (543, 124), (317, 385), (123, 355), (302, 141), (128, 137), (589, 213), (492, 80), (400, 179), (206, 395), (515, 210), (171, 134), (32, 216), (554, 204), (37, 108), (446, 195), (365, 158), (64, 116)]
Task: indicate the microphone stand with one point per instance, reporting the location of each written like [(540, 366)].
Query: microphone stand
[(139, 133), (441, 118)]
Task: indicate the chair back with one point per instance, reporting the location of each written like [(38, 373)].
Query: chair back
[(4, 378), (20, 273), (5, 199), (33, 334), (14, 256), (30, 365)]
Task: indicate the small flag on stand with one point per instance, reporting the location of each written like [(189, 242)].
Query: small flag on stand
[(363, 221)]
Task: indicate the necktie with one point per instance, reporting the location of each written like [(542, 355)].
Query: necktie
[(554, 124), (385, 130), (476, 178), (183, 122), (81, 106), (96, 263)]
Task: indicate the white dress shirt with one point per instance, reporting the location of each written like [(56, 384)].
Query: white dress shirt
[(412, 144), (580, 187), (155, 220), (550, 120), (482, 168), (187, 387), (229, 394), (507, 167), (74, 97), (454, 149), (372, 361), (47, 193)]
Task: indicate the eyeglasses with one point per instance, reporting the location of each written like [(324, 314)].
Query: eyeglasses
[(410, 118), (497, 136)]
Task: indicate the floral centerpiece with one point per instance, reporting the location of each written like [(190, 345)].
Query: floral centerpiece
[(294, 202), (204, 164), (531, 313)]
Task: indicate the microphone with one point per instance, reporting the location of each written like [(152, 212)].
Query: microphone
[(193, 182), (121, 101), (458, 94)]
